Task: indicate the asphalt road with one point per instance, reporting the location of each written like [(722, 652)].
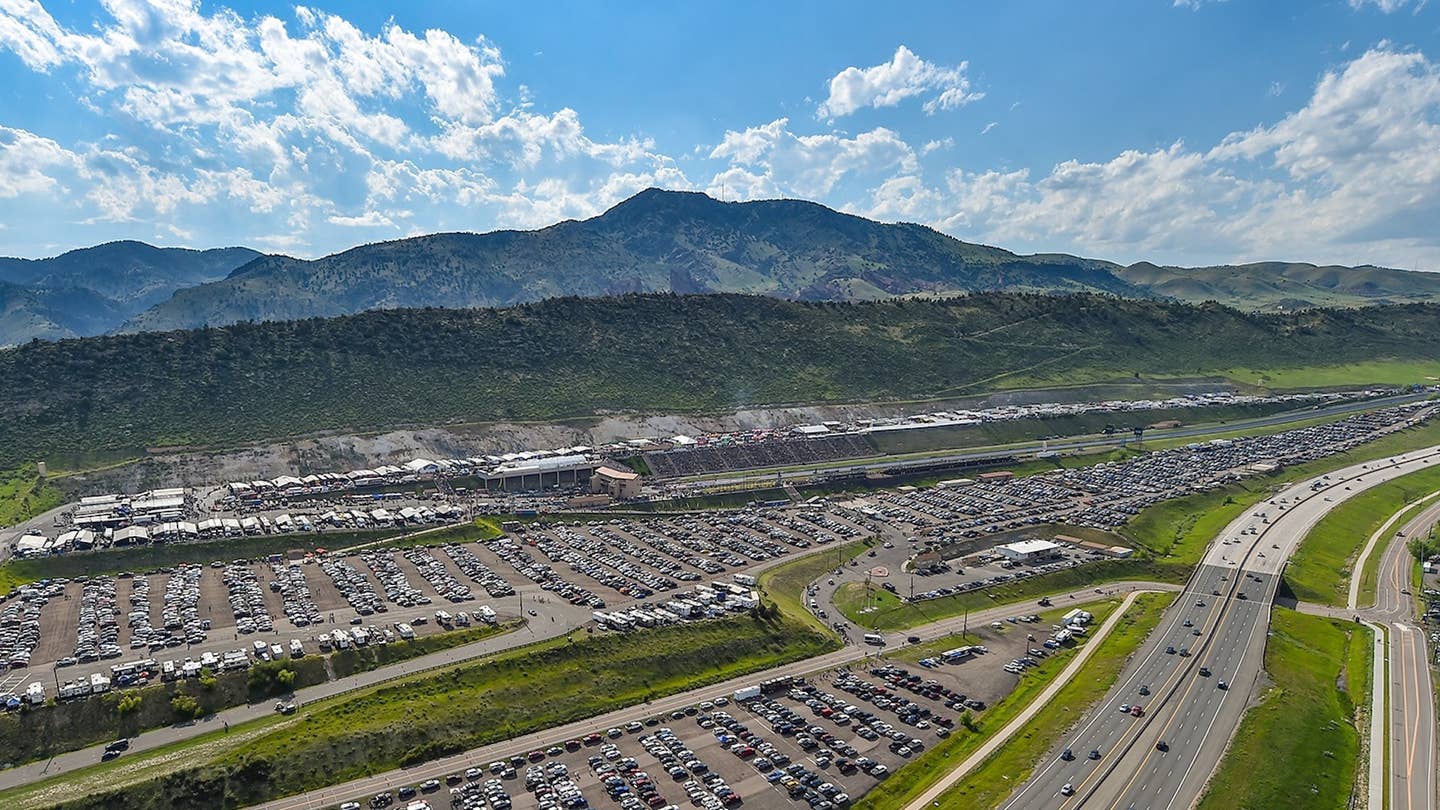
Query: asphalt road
[(1412, 760), (535, 630), (362, 789), (1185, 709)]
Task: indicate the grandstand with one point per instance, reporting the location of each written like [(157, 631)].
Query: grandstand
[(770, 452)]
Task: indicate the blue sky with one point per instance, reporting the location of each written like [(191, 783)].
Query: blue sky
[(1185, 132)]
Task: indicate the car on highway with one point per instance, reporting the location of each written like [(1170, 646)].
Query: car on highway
[(1067, 789), (1067, 755), (1222, 685), (1094, 753), (1144, 690), (1161, 745)]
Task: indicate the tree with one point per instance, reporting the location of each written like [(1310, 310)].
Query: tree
[(1422, 548), (186, 706), (128, 703), (967, 719)]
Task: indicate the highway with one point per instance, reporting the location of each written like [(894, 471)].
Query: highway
[(1227, 604), (1411, 723)]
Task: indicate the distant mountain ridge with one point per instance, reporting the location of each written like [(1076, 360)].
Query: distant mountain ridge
[(94, 290), (656, 241)]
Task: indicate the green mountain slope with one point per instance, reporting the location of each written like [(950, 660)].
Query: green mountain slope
[(1285, 286), (657, 241), (572, 357), (93, 290)]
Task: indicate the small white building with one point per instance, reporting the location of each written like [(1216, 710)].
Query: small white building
[(1026, 551)]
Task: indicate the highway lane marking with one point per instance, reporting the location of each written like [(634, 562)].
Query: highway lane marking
[(1413, 735), (1156, 654), (1171, 683), (1309, 522)]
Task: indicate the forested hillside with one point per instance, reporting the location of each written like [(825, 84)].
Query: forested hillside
[(570, 357)]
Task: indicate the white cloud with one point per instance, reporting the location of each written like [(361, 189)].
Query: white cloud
[(1384, 6), (986, 129), (811, 166), (369, 219), (27, 162), (937, 145), (1351, 177), (904, 76), (308, 124)]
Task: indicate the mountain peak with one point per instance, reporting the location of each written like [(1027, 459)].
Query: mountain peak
[(661, 199)]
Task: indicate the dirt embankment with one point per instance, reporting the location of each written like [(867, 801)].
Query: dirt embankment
[(332, 453)]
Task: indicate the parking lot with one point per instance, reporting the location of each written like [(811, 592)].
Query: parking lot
[(819, 741), (256, 609), (785, 743), (643, 570)]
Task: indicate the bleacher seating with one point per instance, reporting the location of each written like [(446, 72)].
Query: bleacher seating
[(777, 452)]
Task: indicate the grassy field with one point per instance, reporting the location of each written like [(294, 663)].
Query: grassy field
[(785, 584), (478, 530), (1382, 372), (23, 495), (1321, 673), (894, 614), (1088, 685), (434, 714), (1178, 530), (1321, 568)]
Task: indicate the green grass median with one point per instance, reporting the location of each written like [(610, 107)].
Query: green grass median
[(1068, 705), (785, 583), (1299, 748), (1321, 569)]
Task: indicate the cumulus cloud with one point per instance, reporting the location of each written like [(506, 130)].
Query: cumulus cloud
[(775, 159), (27, 160), (1353, 176), (904, 76), (307, 122)]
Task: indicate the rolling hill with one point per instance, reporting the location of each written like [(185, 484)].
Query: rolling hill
[(657, 241), (93, 290), (574, 357), (1284, 286)]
